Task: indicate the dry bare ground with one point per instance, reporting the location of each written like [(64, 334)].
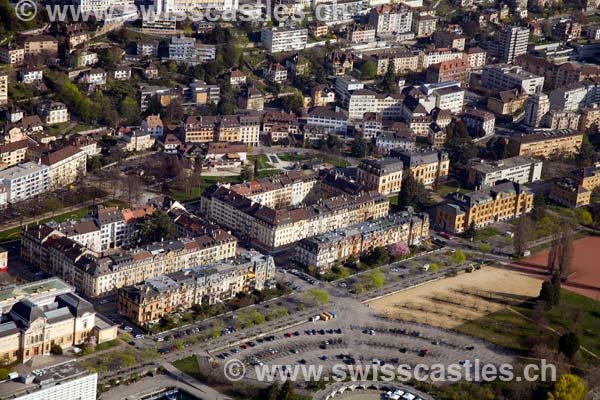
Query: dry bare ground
[(453, 301)]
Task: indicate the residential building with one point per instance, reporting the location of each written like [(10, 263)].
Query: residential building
[(65, 166), (3, 88), (426, 166), (340, 11), (162, 94), (225, 128), (318, 29), (95, 76), (436, 56), (87, 144), (403, 60), (568, 192), (138, 140), (436, 136), (332, 120), (25, 181), (153, 125), (383, 175), (360, 33), (202, 93), (280, 39), (30, 75), (558, 119), (565, 142), (66, 381), (237, 77), (476, 56), (187, 51), (322, 95), (364, 100), (449, 40), (41, 44), (391, 19), (13, 153), (83, 58), (340, 63), (536, 107), (590, 119), (12, 54), (397, 137), (345, 85), (53, 112), (424, 25), (122, 73), (275, 72), (325, 250), (507, 102), (252, 99), (519, 169), (249, 128), (574, 96), (504, 77), (483, 207), (147, 48), (271, 228), (209, 284), (372, 125), (479, 123), (566, 30), (512, 42), (454, 70)]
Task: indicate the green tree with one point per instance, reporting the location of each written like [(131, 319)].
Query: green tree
[(587, 153), (287, 391), (522, 236), (376, 278), (388, 83), (568, 344), (293, 103), (56, 349), (459, 144), (471, 231), (247, 173), (547, 293), (568, 387), (556, 285), (368, 69), (317, 296), (359, 147), (130, 110), (584, 216), (155, 228), (413, 193), (458, 257)]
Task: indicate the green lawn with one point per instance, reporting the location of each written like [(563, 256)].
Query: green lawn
[(263, 161), (267, 172), (486, 233), (206, 182), (292, 157), (189, 366), (451, 187), (508, 329)]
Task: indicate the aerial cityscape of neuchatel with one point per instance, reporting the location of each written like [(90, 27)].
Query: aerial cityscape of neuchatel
[(299, 199)]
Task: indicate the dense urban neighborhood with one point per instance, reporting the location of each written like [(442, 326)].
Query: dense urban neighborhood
[(195, 192)]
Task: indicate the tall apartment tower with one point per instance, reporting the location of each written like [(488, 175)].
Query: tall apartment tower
[(3, 88), (537, 106), (512, 43)]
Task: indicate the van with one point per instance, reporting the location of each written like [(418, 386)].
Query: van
[(426, 267)]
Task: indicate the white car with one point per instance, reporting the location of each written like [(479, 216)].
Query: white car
[(128, 328), (139, 336)]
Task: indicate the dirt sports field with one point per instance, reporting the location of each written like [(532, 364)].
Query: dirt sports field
[(585, 270), (453, 301)]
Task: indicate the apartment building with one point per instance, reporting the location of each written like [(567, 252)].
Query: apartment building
[(476, 56), (566, 30), (340, 11), (576, 190), (275, 72), (53, 112), (454, 70), (399, 138), (30, 75), (41, 44), (13, 153), (565, 142), (93, 275), (424, 25), (504, 77), (12, 54), (507, 102), (325, 250), (449, 40), (153, 125), (391, 19), (3, 88), (483, 207), (436, 56), (274, 228), (25, 181), (479, 123), (66, 381), (519, 169), (225, 128), (332, 120), (147, 302), (201, 93), (122, 73), (364, 100), (372, 125), (383, 175), (574, 96), (65, 166), (403, 60), (425, 166), (280, 39), (50, 314), (536, 107), (590, 119), (558, 119), (512, 42), (345, 85), (186, 50), (359, 33)]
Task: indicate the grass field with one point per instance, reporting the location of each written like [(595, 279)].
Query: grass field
[(189, 366), (450, 187), (206, 182)]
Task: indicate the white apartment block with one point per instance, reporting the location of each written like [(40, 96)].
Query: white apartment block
[(537, 106), (364, 101), (502, 77), (512, 43), (479, 121), (345, 85), (520, 169), (12, 55), (64, 381), (66, 166), (450, 98), (575, 96), (53, 112), (340, 11), (280, 39), (96, 76), (178, 6), (186, 50), (3, 88), (390, 19), (332, 120), (27, 75), (25, 181), (436, 56)]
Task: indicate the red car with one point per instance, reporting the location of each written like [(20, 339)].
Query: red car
[(289, 334), (445, 235)]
